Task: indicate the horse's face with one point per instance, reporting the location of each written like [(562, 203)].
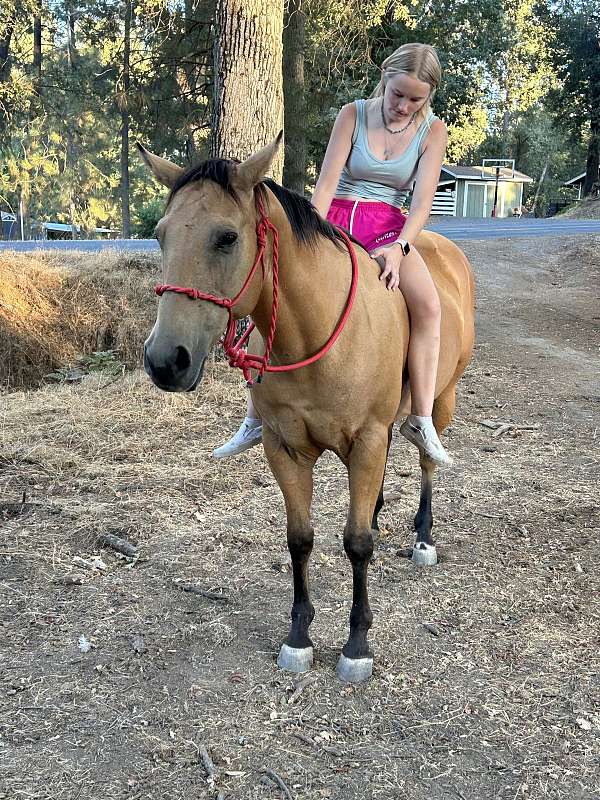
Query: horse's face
[(208, 242)]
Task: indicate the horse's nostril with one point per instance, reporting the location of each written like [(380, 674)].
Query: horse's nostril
[(183, 359)]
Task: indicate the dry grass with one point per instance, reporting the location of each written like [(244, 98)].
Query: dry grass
[(54, 309), (582, 209), (487, 673)]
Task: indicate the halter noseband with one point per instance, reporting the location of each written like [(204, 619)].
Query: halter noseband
[(234, 350)]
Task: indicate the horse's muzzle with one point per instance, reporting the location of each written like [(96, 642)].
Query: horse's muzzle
[(173, 371)]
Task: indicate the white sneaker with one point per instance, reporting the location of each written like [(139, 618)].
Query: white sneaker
[(248, 435), (421, 432)]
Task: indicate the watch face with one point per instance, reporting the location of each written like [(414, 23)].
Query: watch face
[(405, 248)]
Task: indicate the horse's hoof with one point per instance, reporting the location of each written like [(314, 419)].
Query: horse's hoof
[(354, 670), (424, 555), (295, 659)]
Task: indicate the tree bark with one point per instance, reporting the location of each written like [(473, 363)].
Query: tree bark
[(592, 168), (72, 43), (294, 170), (248, 90), (5, 54), (37, 52), (124, 99), (72, 129), (539, 186)]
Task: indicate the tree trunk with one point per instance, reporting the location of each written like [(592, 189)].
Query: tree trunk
[(37, 53), (248, 91), (72, 42), (124, 99), (592, 167), (294, 170), (5, 54), (539, 187), (72, 128), (506, 123)]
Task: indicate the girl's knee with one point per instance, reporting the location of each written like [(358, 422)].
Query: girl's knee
[(426, 308)]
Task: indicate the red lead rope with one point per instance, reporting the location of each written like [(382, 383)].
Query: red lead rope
[(235, 352)]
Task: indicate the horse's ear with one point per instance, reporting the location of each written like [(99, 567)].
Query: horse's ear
[(164, 171), (251, 171)]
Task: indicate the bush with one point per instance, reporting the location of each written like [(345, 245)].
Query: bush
[(147, 217)]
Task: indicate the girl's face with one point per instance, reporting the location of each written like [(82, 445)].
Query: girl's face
[(404, 95)]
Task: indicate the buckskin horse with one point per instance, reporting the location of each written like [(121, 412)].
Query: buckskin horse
[(333, 369)]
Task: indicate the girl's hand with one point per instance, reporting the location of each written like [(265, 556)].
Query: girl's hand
[(389, 258)]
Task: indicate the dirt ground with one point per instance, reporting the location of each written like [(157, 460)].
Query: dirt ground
[(583, 209), (117, 683)]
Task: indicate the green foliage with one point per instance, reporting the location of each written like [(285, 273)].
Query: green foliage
[(147, 217), (520, 79), (101, 361)]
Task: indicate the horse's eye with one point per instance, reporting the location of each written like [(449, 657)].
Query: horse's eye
[(226, 239)]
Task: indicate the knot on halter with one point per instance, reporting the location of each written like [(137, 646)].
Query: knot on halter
[(239, 358)]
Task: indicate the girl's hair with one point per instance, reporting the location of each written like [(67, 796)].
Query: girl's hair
[(420, 60)]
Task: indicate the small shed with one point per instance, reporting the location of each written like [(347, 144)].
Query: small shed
[(469, 191), (577, 183), (9, 226), (55, 230)]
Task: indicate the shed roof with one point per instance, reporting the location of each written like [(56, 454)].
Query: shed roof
[(485, 174), (572, 181)]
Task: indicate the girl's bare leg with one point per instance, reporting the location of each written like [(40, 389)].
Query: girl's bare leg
[(423, 305)]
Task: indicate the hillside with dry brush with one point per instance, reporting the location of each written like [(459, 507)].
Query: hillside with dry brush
[(53, 308)]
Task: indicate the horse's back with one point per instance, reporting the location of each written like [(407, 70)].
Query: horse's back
[(449, 267)]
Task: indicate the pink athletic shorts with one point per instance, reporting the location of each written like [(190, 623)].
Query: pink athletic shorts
[(373, 224)]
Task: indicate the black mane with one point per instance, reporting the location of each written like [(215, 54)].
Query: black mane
[(307, 225)]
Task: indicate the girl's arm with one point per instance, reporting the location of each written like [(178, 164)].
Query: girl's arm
[(428, 175), (336, 155)]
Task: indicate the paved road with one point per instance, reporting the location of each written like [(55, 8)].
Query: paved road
[(458, 229), (455, 229)]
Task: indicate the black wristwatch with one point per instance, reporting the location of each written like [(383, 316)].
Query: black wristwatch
[(404, 245)]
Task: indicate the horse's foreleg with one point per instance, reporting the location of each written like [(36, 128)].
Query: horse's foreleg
[(424, 552), (380, 502), (296, 483), (366, 465)]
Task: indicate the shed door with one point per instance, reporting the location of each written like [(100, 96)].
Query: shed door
[(476, 205)]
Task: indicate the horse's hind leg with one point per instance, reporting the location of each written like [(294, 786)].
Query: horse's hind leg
[(366, 465), (424, 551), (380, 502), (296, 483)]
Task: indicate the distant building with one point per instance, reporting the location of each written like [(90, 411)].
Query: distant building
[(577, 183), (469, 191), (9, 226)]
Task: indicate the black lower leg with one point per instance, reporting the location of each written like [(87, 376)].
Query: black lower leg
[(300, 546), (359, 548), (424, 517)]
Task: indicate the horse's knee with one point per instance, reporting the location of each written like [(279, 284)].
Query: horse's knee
[(300, 540), (358, 544)]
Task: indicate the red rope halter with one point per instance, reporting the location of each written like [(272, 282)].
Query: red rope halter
[(235, 352)]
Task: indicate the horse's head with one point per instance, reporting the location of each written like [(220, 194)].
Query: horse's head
[(208, 241)]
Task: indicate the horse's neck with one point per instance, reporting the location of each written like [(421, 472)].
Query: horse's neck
[(308, 290)]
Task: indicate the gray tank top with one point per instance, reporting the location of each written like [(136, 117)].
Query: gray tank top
[(370, 178)]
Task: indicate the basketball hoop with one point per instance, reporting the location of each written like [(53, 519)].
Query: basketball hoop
[(496, 164)]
